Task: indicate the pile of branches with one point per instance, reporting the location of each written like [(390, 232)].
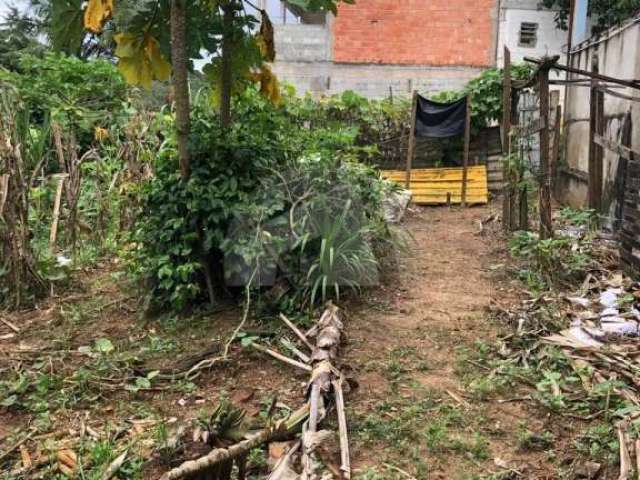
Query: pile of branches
[(302, 459), (18, 273)]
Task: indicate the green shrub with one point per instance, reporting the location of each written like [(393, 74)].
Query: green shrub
[(72, 91), (551, 260), (268, 203)]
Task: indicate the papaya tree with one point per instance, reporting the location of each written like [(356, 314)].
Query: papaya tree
[(222, 32)]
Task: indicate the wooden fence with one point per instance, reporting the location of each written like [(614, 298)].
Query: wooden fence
[(548, 125)]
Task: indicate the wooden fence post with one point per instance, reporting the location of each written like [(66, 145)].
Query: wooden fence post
[(519, 202), (507, 192), (412, 139), (546, 227), (595, 151), (555, 153), (620, 183), (465, 156)]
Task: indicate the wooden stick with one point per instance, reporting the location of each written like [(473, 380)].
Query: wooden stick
[(509, 97), (399, 470), (465, 157), (625, 460), (4, 191), (217, 456), (555, 157), (595, 151), (546, 227), (56, 210), (17, 445), (637, 444), (10, 325), (345, 466), (314, 407), (297, 331), (281, 357), (459, 400), (593, 74), (290, 346), (220, 455), (282, 465), (114, 466), (412, 139)]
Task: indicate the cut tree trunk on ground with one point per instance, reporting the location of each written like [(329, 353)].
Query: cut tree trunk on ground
[(325, 387), (222, 455)]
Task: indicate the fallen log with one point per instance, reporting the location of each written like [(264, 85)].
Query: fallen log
[(325, 388), (328, 334), (218, 456)]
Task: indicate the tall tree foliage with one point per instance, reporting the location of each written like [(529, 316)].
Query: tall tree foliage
[(218, 30), (18, 35), (605, 13)]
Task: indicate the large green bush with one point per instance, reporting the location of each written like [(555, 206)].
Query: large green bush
[(270, 203), (76, 93)]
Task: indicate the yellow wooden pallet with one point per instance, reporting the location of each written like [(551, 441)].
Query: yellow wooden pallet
[(430, 186)]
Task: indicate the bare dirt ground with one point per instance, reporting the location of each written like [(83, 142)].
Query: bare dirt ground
[(414, 360), (425, 406)]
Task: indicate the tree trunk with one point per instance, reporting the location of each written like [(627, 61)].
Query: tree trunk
[(227, 67), (180, 81)]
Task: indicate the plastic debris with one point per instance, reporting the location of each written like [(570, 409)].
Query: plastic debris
[(609, 298)]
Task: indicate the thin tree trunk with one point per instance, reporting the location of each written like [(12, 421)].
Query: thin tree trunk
[(227, 67), (181, 81)]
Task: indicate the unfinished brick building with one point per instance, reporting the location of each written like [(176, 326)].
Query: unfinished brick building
[(377, 44)]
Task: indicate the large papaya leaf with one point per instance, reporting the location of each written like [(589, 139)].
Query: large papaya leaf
[(96, 13), (67, 28), (269, 85), (246, 57), (140, 59), (265, 38)]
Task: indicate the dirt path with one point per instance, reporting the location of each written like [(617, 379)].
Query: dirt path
[(426, 407), (422, 406)]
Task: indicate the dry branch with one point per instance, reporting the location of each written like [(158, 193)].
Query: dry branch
[(625, 459), (114, 466), (280, 357), (328, 334), (297, 331), (10, 325), (221, 455), (325, 381), (286, 343), (345, 466), (4, 191), (637, 445), (56, 209)]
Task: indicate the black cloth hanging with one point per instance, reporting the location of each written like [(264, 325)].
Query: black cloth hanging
[(440, 120)]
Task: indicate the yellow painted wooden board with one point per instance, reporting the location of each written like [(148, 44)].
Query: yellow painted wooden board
[(431, 185)]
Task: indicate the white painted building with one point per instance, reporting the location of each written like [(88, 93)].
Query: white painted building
[(528, 31)]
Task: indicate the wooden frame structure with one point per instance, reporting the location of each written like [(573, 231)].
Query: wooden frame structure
[(412, 144)]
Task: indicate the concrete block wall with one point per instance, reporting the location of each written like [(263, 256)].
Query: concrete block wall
[(373, 81), (380, 45), (618, 52), (302, 43)]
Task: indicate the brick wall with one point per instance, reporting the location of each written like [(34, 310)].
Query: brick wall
[(416, 32)]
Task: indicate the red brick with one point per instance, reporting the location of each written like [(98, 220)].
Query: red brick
[(415, 32)]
